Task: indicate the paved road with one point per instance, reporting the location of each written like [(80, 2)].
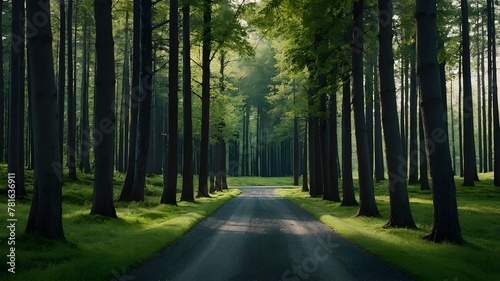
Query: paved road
[(259, 236)]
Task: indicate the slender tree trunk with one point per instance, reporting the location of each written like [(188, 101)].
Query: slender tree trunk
[(414, 152), (84, 124), (379, 154), (424, 178), (295, 142), (486, 149), (333, 169), (170, 184), (104, 116), (460, 127), (2, 94), (127, 190), (400, 214), (62, 72), (125, 103), (470, 169), (187, 168), (492, 63), (305, 180), (144, 113), (16, 99), (446, 226), (369, 106), (478, 84), (205, 107), (45, 216), (348, 197), (71, 145), (367, 205)]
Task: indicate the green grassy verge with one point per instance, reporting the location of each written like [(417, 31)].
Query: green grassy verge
[(479, 216), (99, 248)]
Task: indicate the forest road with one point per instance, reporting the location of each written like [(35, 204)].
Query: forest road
[(260, 236)]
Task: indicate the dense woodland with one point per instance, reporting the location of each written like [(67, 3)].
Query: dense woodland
[(404, 91)]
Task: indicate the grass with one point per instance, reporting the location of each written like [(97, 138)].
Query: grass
[(99, 248), (479, 217)]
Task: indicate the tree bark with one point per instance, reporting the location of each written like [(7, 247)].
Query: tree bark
[(45, 217), (205, 96), (333, 169), (145, 90), (446, 226), (170, 184), (61, 72), (400, 214), (71, 144), (414, 152), (348, 197), (127, 190), (187, 168), (84, 121), (16, 99), (379, 153), (470, 169), (104, 115), (305, 180), (367, 205)]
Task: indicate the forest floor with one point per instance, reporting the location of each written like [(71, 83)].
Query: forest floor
[(260, 236), (98, 248), (479, 217)]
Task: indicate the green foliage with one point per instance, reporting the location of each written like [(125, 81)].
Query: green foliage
[(478, 214)]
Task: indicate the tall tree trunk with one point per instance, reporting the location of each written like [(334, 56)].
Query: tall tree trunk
[(400, 214), (367, 205), (470, 170), (2, 94), (424, 178), (71, 145), (305, 180), (124, 105), (205, 96), (333, 169), (16, 99), (486, 150), (348, 197), (62, 72), (45, 216), (414, 152), (144, 113), (446, 226), (295, 142), (128, 190), (492, 66), (187, 168), (379, 154), (84, 124), (460, 127), (104, 116), (170, 184), (478, 84), (369, 106)]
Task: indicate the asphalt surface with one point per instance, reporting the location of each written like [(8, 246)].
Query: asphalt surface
[(259, 236)]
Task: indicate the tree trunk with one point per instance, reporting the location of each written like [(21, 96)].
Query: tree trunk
[(124, 108), (305, 180), (400, 214), (145, 97), (492, 66), (128, 190), (62, 72), (367, 206), (2, 95), (333, 169), (460, 127), (45, 216), (470, 170), (379, 153), (369, 106), (16, 99), (414, 152), (104, 115), (445, 223), (84, 123), (187, 168), (295, 142), (71, 145), (486, 150), (205, 107), (170, 185), (348, 198)]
